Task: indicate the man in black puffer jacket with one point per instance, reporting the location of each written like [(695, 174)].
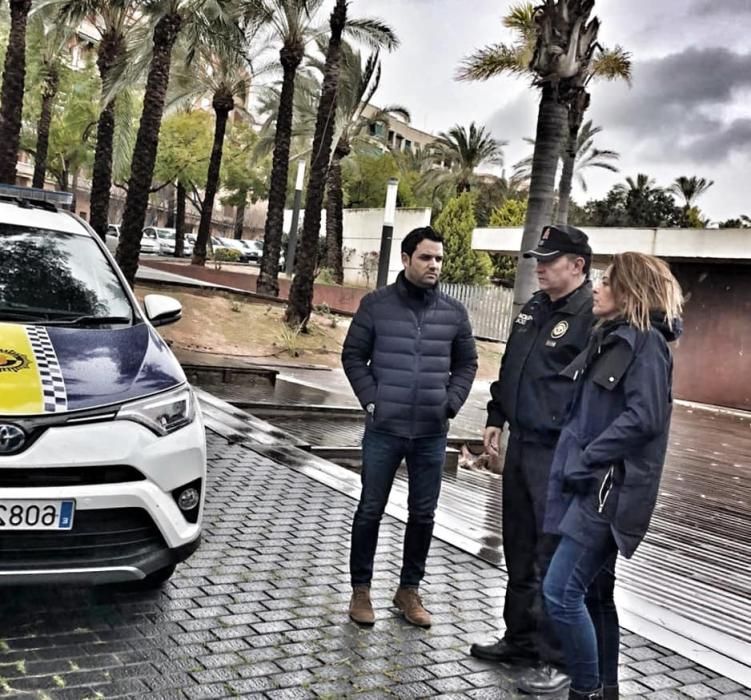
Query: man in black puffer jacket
[(410, 357)]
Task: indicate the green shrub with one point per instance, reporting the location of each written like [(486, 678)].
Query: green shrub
[(461, 264), (226, 255)]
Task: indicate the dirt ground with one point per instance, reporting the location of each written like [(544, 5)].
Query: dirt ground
[(219, 323)]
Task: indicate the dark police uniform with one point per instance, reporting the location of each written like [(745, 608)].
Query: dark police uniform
[(533, 398)]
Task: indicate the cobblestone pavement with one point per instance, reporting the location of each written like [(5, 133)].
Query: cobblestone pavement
[(259, 611)]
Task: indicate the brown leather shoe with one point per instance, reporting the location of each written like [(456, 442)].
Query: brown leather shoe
[(409, 602), (360, 607)]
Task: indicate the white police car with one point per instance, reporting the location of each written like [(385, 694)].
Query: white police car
[(102, 447)]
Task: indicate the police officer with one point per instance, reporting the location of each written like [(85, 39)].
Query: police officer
[(532, 397)]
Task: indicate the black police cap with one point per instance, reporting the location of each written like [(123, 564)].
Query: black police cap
[(560, 239)]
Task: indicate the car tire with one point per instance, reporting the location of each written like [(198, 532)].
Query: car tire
[(156, 579)]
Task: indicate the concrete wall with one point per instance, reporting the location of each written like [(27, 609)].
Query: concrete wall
[(673, 243), (362, 236), (713, 358)]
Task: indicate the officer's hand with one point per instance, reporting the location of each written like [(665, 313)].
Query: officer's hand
[(492, 439)]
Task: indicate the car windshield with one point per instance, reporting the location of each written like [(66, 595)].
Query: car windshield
[(165, 233), (51, 275), (149, 234)]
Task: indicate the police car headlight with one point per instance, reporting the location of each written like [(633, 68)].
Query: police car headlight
[(162, 414)]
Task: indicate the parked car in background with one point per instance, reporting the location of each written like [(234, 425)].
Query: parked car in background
[(149, 243), (254, 249), (102, 446), (166, 238)]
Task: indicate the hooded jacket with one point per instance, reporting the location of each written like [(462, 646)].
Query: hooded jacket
[(609, 459), (411, 353)]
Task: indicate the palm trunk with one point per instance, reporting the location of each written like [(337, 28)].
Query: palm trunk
[(147, 142), (551, 122), (223, 103), (301, 292), (272, 239), (180, 219), (240, 215), (111, 49), (49, 92), (575, 117), (11, 101), (334, 220)]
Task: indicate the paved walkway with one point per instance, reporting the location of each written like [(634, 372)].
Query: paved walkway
[(259, 611)]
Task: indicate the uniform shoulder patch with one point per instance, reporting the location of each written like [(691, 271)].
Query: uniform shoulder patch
[(559, 330)]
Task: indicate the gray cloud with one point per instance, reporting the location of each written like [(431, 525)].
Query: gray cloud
[(675, 105), (722, 7)]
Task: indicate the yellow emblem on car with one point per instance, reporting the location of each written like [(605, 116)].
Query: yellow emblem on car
[(30, 377)]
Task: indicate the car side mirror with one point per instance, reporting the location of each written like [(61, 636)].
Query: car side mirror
[(162, 310)]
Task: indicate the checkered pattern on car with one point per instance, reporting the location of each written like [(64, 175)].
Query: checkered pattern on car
[(53, 386)]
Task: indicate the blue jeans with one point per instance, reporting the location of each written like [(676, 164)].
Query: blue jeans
[(578, 592), (381, 456)]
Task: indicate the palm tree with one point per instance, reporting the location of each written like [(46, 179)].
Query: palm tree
[(464, 150), (301, 293), (564, 43), (292, 25), (218, 69), (119, 24), (358, 84), (290, 22), (642, 186), (11, 98), (609, 64), (587, 156), (690, 188), (171, 16), (47, 40)]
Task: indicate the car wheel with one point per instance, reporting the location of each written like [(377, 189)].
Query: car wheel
[(156, 579)]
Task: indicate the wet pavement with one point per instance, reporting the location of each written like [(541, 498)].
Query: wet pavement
[(259, 612), (688, 584)]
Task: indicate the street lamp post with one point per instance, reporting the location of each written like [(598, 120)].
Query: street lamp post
[(387, 233), (292, 240)]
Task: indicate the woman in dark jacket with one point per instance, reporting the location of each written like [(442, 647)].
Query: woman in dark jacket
[(608, 462)]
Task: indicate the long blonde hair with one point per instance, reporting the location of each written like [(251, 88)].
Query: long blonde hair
[(642, 284)]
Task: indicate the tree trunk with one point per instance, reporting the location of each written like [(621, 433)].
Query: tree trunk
[(222, 103), (240, 216), (551, 122), (301, 292), (180, 219), (147, 142), (11, 101), (272, 240), (49, 92), (575, 117), (170, 206), (111, 49), (334, 220)]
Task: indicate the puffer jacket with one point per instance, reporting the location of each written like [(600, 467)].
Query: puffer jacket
[(411, 353), (609, 459)]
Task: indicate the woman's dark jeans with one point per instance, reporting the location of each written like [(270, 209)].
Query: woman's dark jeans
[(578, 592), (381, 456)]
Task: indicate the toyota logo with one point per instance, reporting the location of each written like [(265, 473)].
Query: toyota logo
[(12, 438)]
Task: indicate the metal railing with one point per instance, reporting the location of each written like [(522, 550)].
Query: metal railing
[(490, 308)]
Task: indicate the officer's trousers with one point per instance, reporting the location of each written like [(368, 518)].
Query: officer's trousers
[(527, 549)]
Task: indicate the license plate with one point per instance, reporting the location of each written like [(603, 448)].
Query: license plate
[(36, 515)]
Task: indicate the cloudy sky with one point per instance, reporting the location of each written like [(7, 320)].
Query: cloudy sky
[(688, 112)]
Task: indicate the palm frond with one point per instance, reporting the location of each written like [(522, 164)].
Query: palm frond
[(372, 32), (492, 61), (612, 64)]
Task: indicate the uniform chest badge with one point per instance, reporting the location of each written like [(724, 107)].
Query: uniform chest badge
[(559, 330)]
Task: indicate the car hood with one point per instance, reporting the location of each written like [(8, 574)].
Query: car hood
[(53, 370)]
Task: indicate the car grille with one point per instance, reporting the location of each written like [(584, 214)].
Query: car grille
[(104, 537), (68, 476)]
